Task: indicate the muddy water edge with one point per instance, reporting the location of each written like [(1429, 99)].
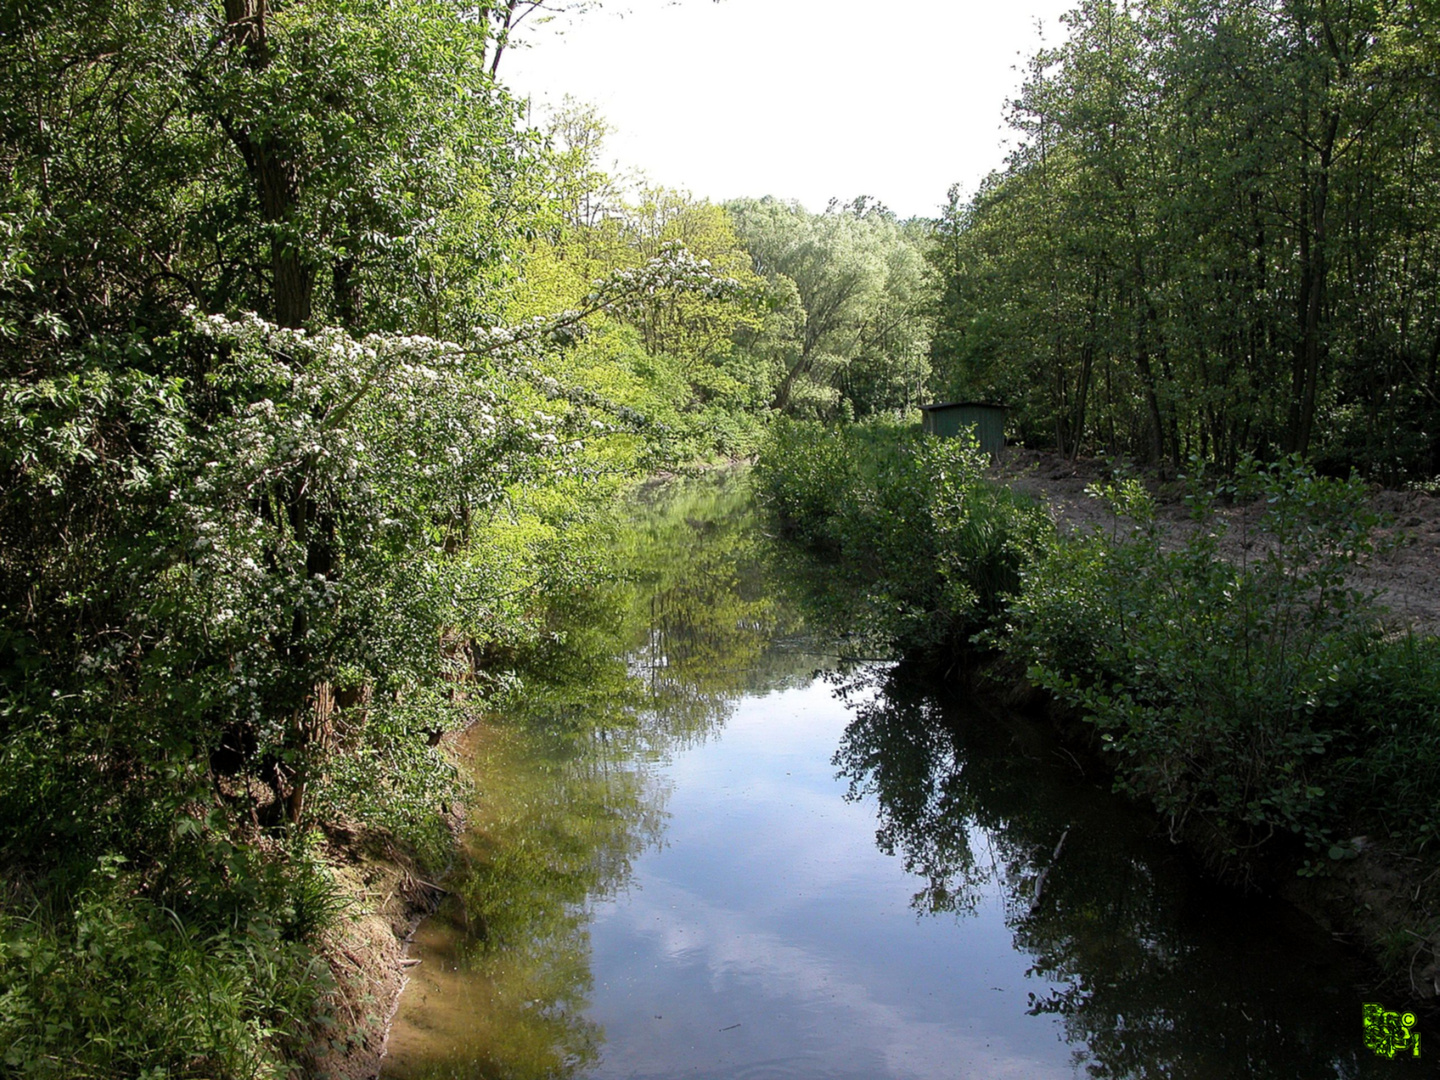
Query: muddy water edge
[(703, 846)]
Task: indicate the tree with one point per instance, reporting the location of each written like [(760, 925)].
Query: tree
[(501, 21), (275, 477), (587, 195), (856, 278), (377, 148), (1155, 271), (686, 343)]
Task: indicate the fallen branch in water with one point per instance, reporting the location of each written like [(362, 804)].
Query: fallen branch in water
[(1040, 881)]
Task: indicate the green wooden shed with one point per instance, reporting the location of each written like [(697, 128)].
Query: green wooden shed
[(984, 418)]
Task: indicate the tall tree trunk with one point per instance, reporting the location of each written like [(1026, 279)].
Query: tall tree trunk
[(1087, 368), (273, 165), (1146, 316), (1156, 426), (787, 384), (1310, 300), (348, 294), (293, 285), (345, 277), (274, 170), (1317, 139)]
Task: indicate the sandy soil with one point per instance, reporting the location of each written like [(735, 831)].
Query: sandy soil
[(366, 951), (1405, 571)]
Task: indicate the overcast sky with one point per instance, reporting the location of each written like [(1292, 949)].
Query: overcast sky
[(803, 99)]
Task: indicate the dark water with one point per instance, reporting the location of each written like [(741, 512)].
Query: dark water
[(691, 857)]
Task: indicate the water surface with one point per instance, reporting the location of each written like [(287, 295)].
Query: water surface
[(690, 856)]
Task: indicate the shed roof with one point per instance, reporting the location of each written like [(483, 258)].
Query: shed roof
[(961, 404)]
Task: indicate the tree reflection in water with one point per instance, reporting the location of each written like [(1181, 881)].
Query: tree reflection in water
[(1163, 975), (1160, 975), (566, 793)]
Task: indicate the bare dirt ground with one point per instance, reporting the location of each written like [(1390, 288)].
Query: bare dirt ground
[(1405, 569), (367, 950)]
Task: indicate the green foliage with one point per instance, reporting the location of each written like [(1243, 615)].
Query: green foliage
[(1224, 687), (847, 336), (683, 354), (118, 986), (1388, 772), (1212, 238), (804, 473), (348, 162), (693, 412), (254, 566), (1246, 686), (938, 549), (394, 777)]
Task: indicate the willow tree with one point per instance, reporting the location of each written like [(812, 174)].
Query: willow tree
[(855, 275)]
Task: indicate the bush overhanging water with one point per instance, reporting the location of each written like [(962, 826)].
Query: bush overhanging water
[(1249, 694)]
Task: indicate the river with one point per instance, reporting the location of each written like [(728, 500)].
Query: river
[(698, 847)]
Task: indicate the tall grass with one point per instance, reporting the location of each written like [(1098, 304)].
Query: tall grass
[(118, 986)]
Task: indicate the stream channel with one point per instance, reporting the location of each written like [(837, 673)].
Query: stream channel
[(701, 849)]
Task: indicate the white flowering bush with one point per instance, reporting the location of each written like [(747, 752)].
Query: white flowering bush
[(300, 520), (249, 576), (250, 573)]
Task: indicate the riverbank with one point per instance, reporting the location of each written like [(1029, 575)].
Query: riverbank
[(387, 898), (1220, 653), (1405, 569), (1380, 898)]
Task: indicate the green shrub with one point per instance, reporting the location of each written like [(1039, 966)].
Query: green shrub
[(1389, 776), (1219, 686), (936, 547), (804, 473), (118, 986), (394, 775)]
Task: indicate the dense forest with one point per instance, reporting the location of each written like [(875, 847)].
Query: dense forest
[(320, 364), (1218, 236)]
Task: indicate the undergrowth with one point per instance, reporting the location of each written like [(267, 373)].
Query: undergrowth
[(116, 984), (1254, 694), (934, 549)]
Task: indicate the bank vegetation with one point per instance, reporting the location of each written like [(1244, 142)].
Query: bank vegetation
[(1261, 705)]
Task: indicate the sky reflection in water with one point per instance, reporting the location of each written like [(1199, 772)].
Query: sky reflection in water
[(689, 860), (771, 908)]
